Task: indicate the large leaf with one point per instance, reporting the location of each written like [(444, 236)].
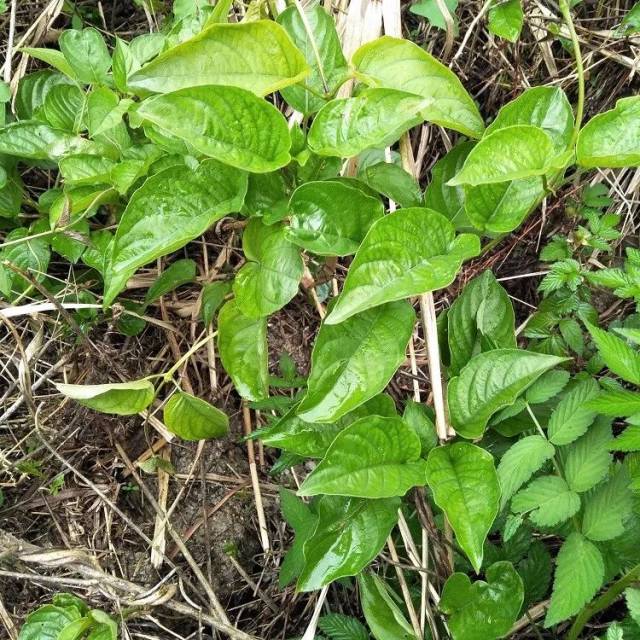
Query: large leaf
[(405, 254), (579, 575), (612, 139), (587, 460), (372, 458), (86, 52), (465, 486), (400, 64), (375, 118), (256, 56), (572, 417), (490, 382), (619, 357), (355, 360), (119, 398), (349, 535), (483, 610), (242, 344), (548, 501), (331, 217), (194, 419), (226, 123), (170, 209), (480, 319), (272, 273), (320, 44)]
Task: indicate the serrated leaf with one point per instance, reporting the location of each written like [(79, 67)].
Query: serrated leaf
[(372, 458), (353, 361), (587, 460), (579, 575), (506, 19), (571, 418), (535, 571), (393, 182), (349, 534), (192, 418), (337, 626), (465, 486), (406, 254), (400, 64), (119, 398), (548, 501), (632, 596), (628, 440), (242, 345), (618, 356), (269, 60), (87, 54), (490, 382), (547, 386)]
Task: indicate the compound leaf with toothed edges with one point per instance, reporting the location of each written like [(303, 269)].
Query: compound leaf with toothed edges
[(192, 418), (338, 626), (119, 398), (548, 500), (572, 417), (618, 356), (587, 459)]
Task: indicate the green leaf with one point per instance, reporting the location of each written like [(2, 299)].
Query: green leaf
[(331, 217), (87, 54), (372, 458), (629, 440), (547, 386), (48, 622), (385, 619), (405, 254), (632, 596), (256, 56), (618, 356), (85, 170), (579, 575), (375, 118), (418, 418), (430, 10), (176, 274), (194, 419), (535, 571), (571, 418), (612, 139), (63, 107), (520, 462), (393, 182), (629, 26), (337, 626), (483, 610), (170, 209), (607, 507), (271, 276), (399, 64), (506, 19), (349, 535), (587, 460), (242, 345), (31, 256), (119, 398), (320, 44), (465, 486), (226, 123), (479, 320), (213, 295), (353, 361), (490, 382), (52, 57), (548, 501)]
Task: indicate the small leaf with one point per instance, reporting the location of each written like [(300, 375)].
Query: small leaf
[(213, 295), (176, 274), (632, 596), (547, 386), (86, 52), (619, 357), (430, 10), (465, 486), (53, 58), (194, 419), (629, 440), (337, 626), (417, 417), (536, 571), (548, 501), (571, 418), (63, 107), (393, 182), (506, 19), (587, 460), (119, 398)]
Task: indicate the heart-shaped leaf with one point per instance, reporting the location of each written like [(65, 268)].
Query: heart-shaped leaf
[(119, 398), (194, 419)]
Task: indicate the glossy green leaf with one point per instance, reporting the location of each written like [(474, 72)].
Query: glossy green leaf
[(267, 196), (483, 610), (571, 418), (587, 460), (63, 107), (547, 386), (48, 622), (465, 486), (349, 535), (375, 118), (331, 217), (618, 356), (213, 295), (104, 120), (176, 274), (506, 19), (269, 60), (393, 182), (85, 170), (86, 52), (192, 418), (416, 415), (119, 398), (479, 320), (226, 123), (612, 139), (490, 382), (31, 256), (33, 89), (400, 64), (354, 361), (242, 344), (271, 276), (170, 209), (405, 254), (430, 10), (372, 458), (52, 57)]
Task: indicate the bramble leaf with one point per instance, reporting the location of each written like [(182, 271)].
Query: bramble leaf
[(587, 460), (618, 356), (548, 501), (571, 418)]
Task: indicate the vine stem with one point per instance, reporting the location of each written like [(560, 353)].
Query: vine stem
[(577, 54)]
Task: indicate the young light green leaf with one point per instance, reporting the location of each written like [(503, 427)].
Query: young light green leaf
[(349, 535), (242, 344), (632, 596), (548, 501), (176, 274), (271, 276), (269, 61), (87, 54), (490, 382), (375, 118), (85, 170), (480, 319), (547, 386), (465, 486), (430, 10), (579, 575), (355, 360), (483, 610), (372, 458), (628, 440), (52, 57), (119, 398), (571, 418), (520, 462), (506, 19), (612, 139), (192, 418), (393, 182), (170, 209), (400, 64), (331, 217), (226, 123), (409, 253), (619, 357), (587, 460)]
